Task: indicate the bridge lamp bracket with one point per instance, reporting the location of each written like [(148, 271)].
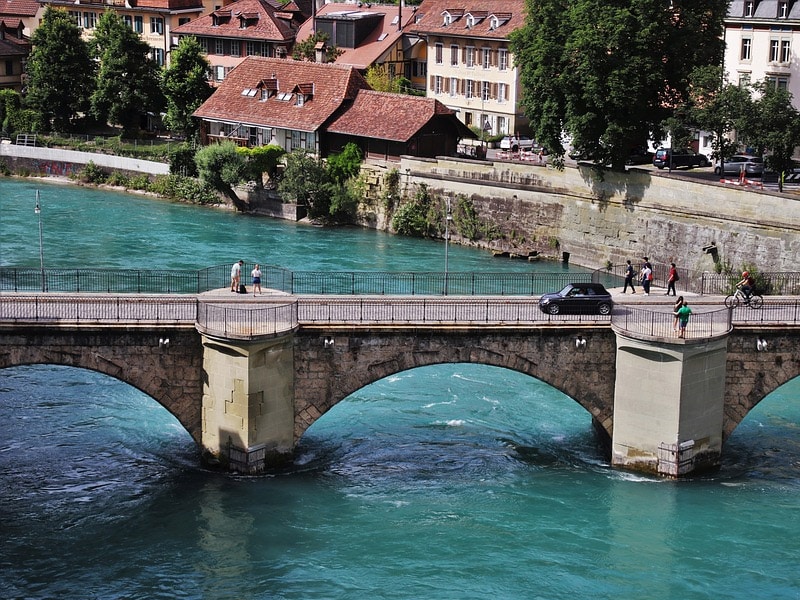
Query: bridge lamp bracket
[(580, 343), (328, 342), (761, 344)]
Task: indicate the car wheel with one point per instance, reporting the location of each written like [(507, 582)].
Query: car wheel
[(660, 167), (554, 309), (704, 162), (604, 308), (716, 170)]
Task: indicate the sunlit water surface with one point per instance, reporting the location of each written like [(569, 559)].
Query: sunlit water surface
[(453, 481)]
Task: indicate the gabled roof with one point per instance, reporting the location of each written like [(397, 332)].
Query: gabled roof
[(239, 98), (23, 8), (491, 18), (263, 23), (394, 117), (374, 45), (167, 4)]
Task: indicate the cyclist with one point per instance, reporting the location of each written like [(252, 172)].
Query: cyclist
[(747, 284)]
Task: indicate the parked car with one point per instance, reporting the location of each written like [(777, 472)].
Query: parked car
[(516, 143), (680, 158), (753, 166), (639, 156), (580, 298)]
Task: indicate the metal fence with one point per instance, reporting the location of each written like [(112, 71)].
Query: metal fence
[(639, 321), (246, 322), (351, 283), (52, 309)]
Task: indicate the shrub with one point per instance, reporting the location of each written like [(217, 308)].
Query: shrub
[(91, 173)]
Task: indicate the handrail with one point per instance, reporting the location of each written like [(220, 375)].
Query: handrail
[(246, 322), (640, 322)]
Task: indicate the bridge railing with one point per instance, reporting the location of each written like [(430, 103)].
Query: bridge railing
[(246, 322), (54, 309), (640, 321), (430, 311), (109, 281)]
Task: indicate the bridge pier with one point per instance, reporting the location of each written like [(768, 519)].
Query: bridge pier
[(248, 403), (669, 403)]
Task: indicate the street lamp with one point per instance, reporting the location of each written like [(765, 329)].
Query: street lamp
[(448, 218), (38, 210)]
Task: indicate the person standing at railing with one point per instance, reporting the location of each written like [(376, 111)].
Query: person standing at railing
[(236, 274), (683, 317), (675, 308), (256, 275), (647, 276)]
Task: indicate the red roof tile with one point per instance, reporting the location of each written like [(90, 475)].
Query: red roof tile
[(25, 8), (386, 116), (263, 23), (333, 85), (509, 15), (377, 43)]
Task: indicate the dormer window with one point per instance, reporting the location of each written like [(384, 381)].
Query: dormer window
[(475, 17), (498, 20), (749, 8), (304, 91), (783, 10), (470, 21), (451, 16), (448, 19), (219, 17), (268, 87), (247, 20)]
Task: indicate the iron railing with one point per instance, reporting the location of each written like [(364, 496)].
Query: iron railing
[(246, 322), (662, 324), (353, 283), (61, 309)]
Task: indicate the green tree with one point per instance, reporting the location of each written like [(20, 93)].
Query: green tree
[(346, 164), (60, 71), (379, 79), (127, 80), (185, 85), (260, 160), (307, 49), (609, 73), (773, 126), (717, 107), (307, 182), (222, 167)]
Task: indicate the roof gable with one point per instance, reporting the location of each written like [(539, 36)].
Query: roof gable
[(244, 19), (273, 92), (469, 18)]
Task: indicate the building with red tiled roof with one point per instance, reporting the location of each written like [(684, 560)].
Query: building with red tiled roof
[(244, 28), (26, 11), (366, 34), (154, 20), (386, 126), (278, 101), (470, 67), (14, 50)]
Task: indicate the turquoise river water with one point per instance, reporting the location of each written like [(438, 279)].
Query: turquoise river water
[(449, 482)]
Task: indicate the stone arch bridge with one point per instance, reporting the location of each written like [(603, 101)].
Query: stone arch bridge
[(246, 397)]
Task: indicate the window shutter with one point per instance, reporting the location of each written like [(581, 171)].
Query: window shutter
[(446, 85), (494, 91), (433, 83), (464, 55)]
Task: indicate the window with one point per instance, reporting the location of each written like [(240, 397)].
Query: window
[(138, 24), (486, 58), (502, 61), (470, 21), (453, 86), (453, 55), (470, 89), (501, 92), (183, 20), (438, 55), (501, 125), (219, 72), (128, 20), (783, 10), (9, 67), (747, 48), (749, 8), (470, 57), (781, 83), (203, 44), (786, 51), (419, 68), (89, 20), (157, 25), (236, 49), (485, 87), (437, 84), (250, 49), (76, 17), (744, 79), (774, 49), (219, 47), (157, 54)]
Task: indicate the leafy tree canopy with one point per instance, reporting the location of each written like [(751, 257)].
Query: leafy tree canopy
[(346, 164), (60, 70), (609, 73), (306, 50), (128, 81), (222, 167), (185, 85), (379, 79)]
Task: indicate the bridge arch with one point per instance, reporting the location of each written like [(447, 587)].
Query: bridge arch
[(326, 374), (753, 374), (170, 374)]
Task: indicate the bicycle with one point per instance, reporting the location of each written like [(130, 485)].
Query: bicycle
[(738, 297)]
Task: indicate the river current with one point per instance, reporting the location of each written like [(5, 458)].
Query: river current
[(447, 482)]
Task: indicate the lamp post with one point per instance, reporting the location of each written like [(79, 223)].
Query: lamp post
[(38, 210), (448, 218)]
